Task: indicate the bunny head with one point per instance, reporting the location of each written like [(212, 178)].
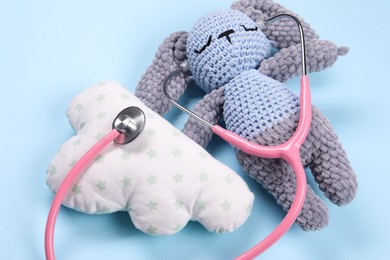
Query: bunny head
[(223, 44)]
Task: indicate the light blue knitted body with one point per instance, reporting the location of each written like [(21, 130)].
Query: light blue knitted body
[(254, 102)]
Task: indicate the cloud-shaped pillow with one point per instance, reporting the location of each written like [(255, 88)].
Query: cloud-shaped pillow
[(162, 178)]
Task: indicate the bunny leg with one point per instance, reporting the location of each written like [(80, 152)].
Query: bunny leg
[(169, 56), (285, 64), (322, 152), (210, 109), (328, 161), (283, 32), (277, 177)]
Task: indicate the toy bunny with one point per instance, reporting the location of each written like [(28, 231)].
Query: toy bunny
[(230, 59)]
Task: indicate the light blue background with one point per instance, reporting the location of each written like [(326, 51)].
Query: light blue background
[(52, 50)]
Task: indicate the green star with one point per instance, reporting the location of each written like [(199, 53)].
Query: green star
[(79, 107), (72, 163), (226, 206), (203, 177), (177, 153), (151, 132), (77, 142), (152, 205), (125, 156), (200, 205), (228, 179), (99, 136), (52, 170), (100, 97), (125, 96), (202, 155), (126, 181), (176, 133), (152, 153), (101, 185), (178, 177), (151, 179), (101, 115), (152, 230), (179, 204), (99, 159), (76, 189)]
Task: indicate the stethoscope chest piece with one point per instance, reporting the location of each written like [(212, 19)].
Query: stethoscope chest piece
[(129, 122)]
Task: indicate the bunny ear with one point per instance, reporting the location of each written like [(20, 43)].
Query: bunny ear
[(171, 53), (286, 64), (283, 32)]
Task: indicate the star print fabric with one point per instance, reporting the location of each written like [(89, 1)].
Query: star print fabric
[(162, 178)]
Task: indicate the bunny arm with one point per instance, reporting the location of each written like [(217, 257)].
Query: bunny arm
[(283, 32), (171, 53), (286, 64), (209, 108), (285, 36)]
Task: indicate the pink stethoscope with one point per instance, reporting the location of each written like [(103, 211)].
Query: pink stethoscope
[(130, 122)]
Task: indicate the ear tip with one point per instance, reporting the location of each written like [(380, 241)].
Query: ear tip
[(341, 51)]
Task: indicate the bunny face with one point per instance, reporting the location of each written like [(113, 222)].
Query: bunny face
[(222, 45)]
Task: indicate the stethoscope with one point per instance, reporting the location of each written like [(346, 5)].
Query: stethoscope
[(130, 122)]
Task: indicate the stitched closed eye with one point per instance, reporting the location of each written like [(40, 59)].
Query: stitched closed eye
[(250, 29), (205, 46)]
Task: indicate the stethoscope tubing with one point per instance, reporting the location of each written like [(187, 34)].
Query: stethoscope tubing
[(291, 215), (66, 184), (288, 151)]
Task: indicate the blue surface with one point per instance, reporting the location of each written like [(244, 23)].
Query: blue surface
[(52, 50)]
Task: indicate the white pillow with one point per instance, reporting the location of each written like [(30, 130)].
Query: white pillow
[(162, 178)]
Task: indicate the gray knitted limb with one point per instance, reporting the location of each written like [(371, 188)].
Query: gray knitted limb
[(283, 32), (168, 58), (286, 63), (322, 152), (210, 109), (329, 163), (277, 177)]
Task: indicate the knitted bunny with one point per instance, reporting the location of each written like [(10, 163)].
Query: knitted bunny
[(229, 57)]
